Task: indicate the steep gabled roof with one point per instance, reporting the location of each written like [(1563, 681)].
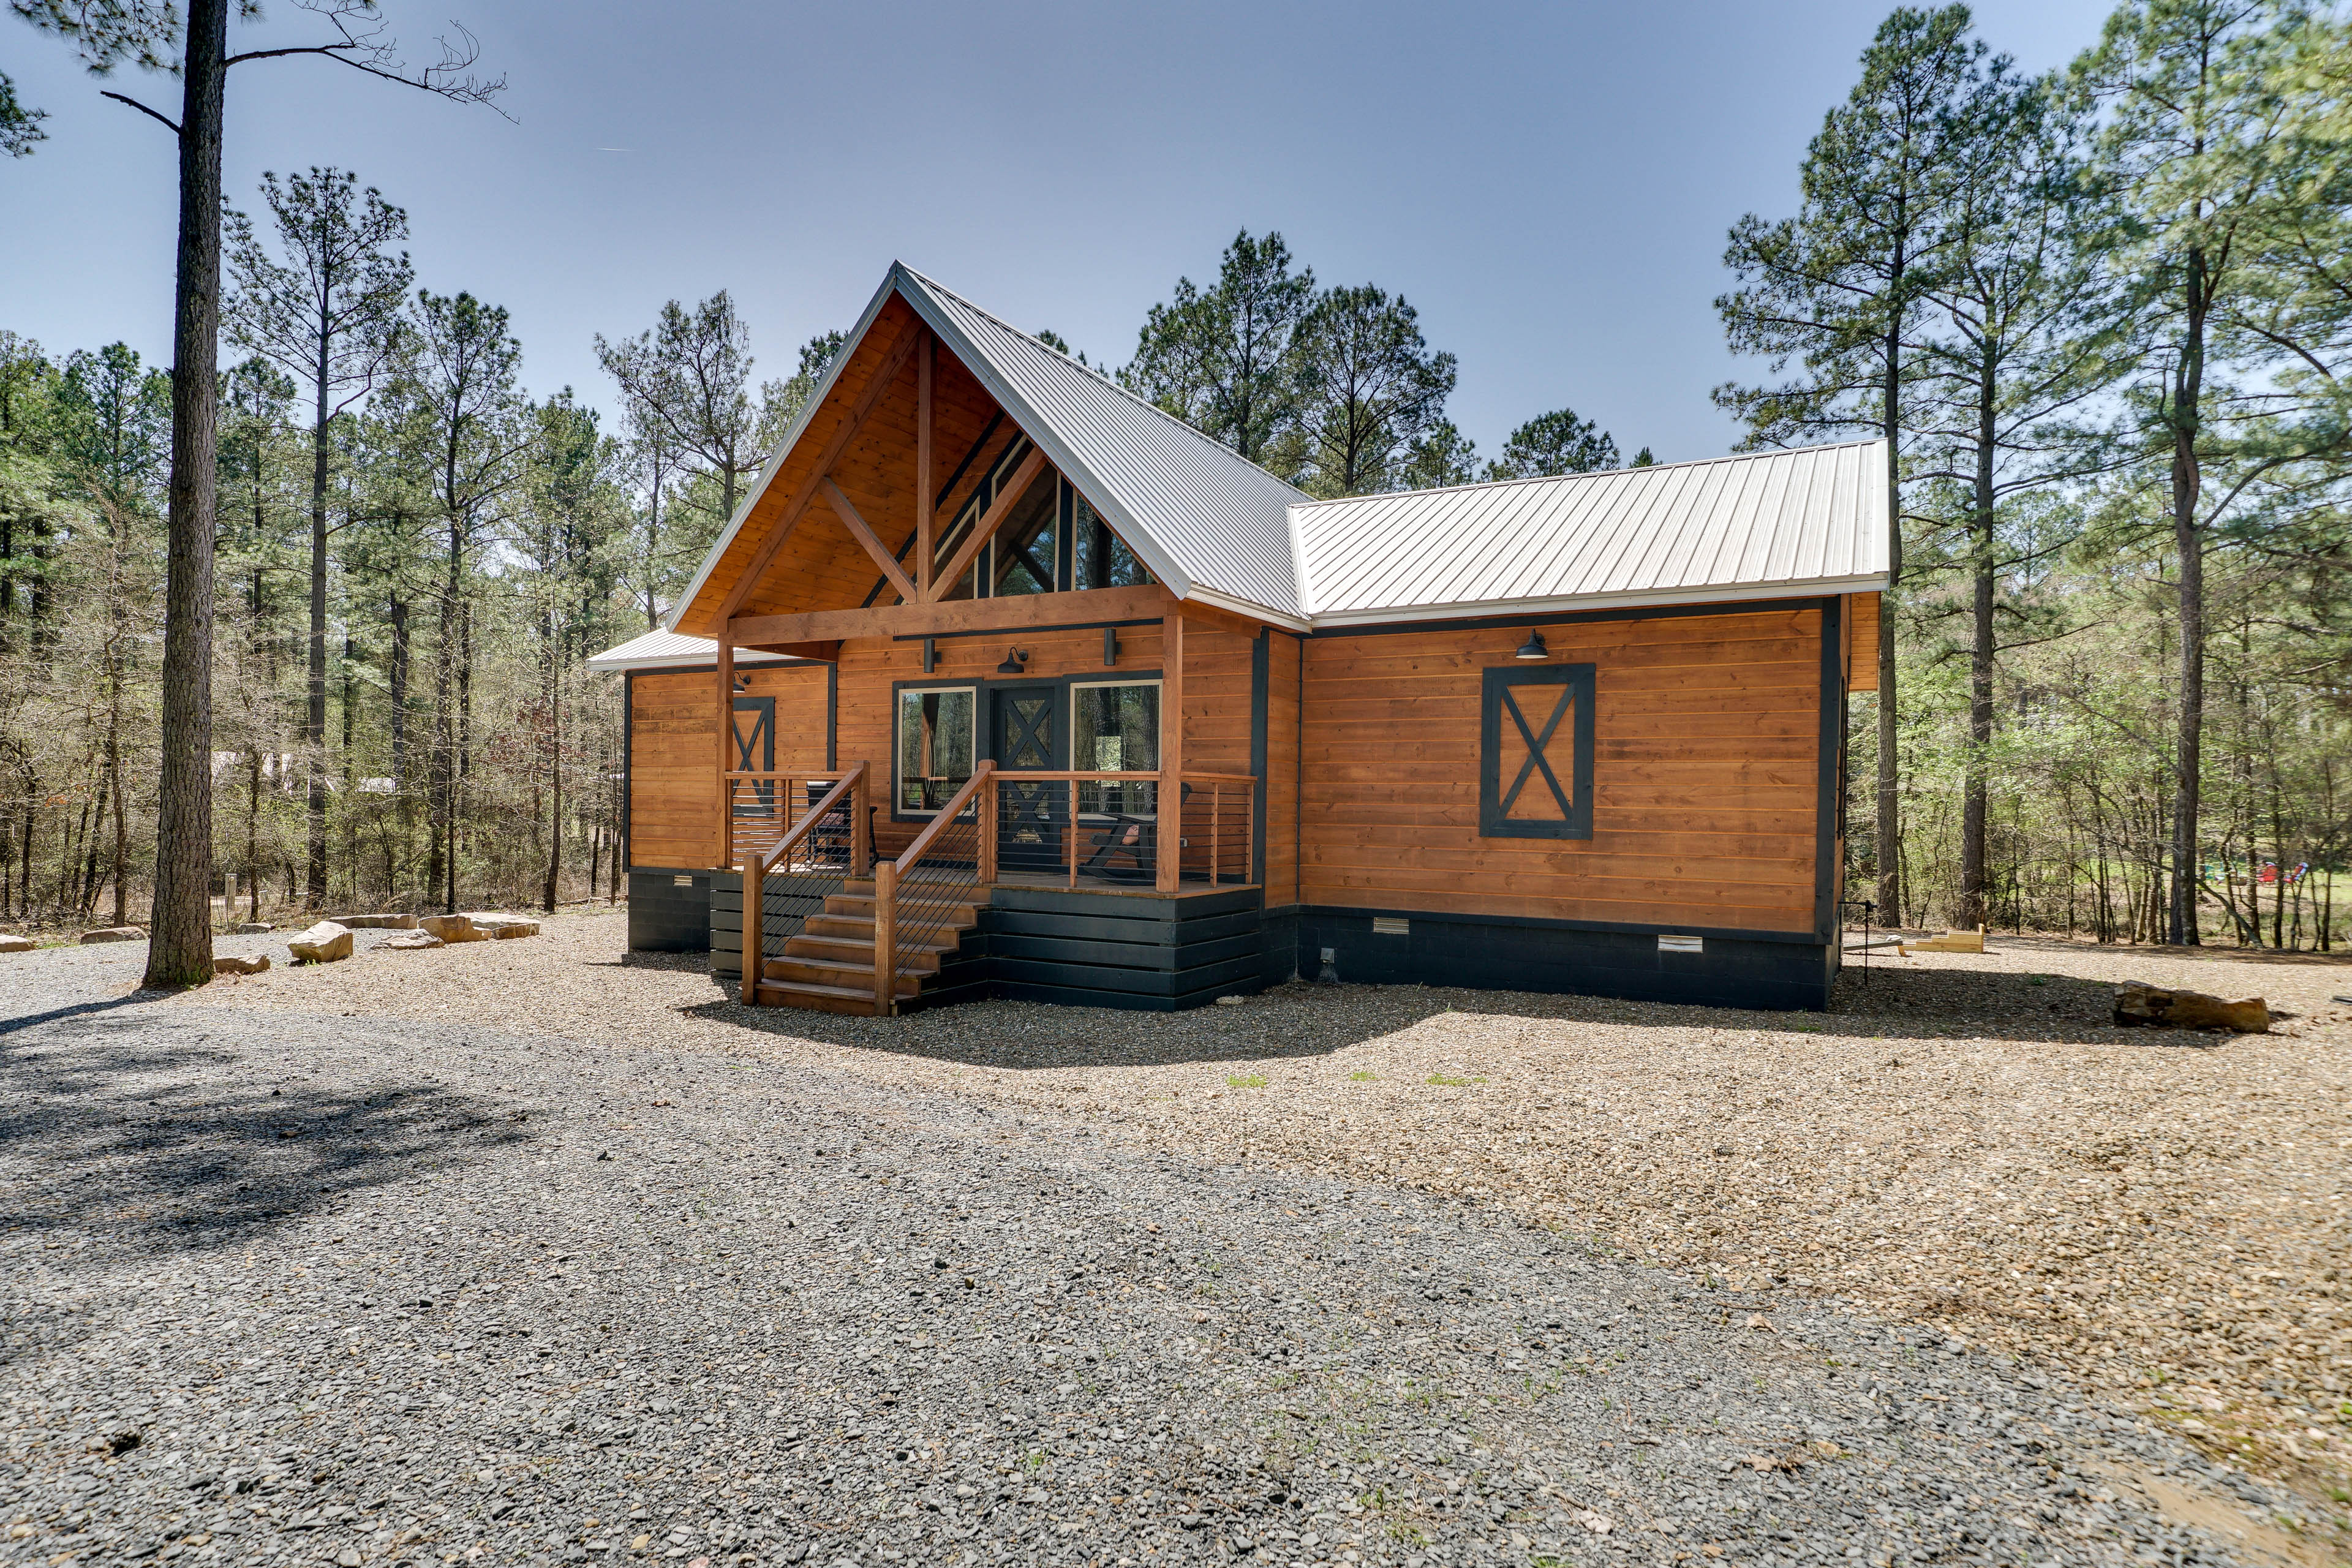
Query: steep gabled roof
[(1752, 526), (1210, 523), (1215, 528)]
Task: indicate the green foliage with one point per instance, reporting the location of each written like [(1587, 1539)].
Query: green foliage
[(1226, 359), (1370, 390), (1554, 443), (20, 127)]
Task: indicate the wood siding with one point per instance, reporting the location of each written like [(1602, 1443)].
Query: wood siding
[(1861, 620), (674, 750), (1282, 738), (1706, 749)]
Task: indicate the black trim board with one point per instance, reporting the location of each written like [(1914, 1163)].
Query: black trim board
[(1833, 744), (1018, 632)]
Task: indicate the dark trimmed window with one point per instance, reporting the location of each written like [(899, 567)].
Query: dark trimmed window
[(1535, 752)]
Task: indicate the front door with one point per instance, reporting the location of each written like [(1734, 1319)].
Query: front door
[(1027, 738)]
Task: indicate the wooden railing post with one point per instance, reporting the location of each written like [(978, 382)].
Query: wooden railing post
[(986, 822), (1171, 749), (727, 758), (861, 824), (886, 938), (1216, 803), (755, 923)]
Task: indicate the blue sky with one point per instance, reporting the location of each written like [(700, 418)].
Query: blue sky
[(1549, 185)]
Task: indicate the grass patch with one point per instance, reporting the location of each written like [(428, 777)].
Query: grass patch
[(1246, 1079), (1443, 1081), (1362, 1076)]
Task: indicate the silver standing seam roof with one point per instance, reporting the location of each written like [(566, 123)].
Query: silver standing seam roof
[(1215, 528), (675, 650), (1813, 520)]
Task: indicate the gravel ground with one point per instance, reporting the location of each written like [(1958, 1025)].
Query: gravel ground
[(524, 1256)]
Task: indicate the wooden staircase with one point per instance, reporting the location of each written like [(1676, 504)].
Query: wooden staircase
[(829, 967)]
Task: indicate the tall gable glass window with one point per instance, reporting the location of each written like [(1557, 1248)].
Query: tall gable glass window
[(934, 746)]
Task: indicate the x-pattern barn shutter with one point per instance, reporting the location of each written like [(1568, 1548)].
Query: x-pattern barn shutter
[(1535, 752), (755, 750)]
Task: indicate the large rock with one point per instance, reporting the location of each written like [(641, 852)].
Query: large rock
[(113, 934), (255, 928), (16, 943), (452, 928), (378, 922), (493, 924), (323, 943), (410, 942), (226, 965), (2156, 1007)]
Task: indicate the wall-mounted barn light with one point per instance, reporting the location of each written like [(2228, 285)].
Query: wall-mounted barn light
[(930, 653), (1015, 659), (1533, 649), (1110, 646)]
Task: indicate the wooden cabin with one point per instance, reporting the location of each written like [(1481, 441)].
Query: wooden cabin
[(1004, 683)]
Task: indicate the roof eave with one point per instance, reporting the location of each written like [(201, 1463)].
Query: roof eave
[(1575, 603)]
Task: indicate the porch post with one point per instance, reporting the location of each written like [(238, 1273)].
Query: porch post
[(726, 742), (1171, 833)]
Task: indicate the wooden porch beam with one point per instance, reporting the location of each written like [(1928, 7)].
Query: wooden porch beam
[(843, 510), (925, 514), (867, 401), (1087, 607), (1001, 509)]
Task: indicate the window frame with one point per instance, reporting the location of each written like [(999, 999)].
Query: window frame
[(1577, 815), (901, 812)]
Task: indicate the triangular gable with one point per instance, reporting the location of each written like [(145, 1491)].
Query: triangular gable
[(1209, 524)]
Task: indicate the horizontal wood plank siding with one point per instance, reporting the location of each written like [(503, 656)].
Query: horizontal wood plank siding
[(1282, 755), (1707, 746), (673, 747)]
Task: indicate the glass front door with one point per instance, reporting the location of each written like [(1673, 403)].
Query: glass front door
[(1029, 816)]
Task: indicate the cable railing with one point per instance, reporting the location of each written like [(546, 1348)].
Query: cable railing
[(1107, 827), (924, 898), (808, 832)]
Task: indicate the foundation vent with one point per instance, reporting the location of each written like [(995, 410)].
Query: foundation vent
[(1391, 925), (1681, 943)]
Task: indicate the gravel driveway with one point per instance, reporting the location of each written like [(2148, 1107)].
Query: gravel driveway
[(316, 1284)]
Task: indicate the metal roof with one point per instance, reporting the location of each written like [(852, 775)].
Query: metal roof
[(1210, 523), (1215, 528), (675, 650), (1752, 526)]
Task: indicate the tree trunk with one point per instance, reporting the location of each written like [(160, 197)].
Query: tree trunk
[(2188, 478), (1977, 782), (314, 718), (181, 950)]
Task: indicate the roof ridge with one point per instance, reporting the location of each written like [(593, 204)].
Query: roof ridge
[(1587, 474), (1133, 396)]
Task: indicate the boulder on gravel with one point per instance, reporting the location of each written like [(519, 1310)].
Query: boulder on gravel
[(2154, 1007), (378, 922), (16, 943), (113, 934), (411, 942), (493, 924), (255, 928), (323, 943), (227, 964), (451, 928)]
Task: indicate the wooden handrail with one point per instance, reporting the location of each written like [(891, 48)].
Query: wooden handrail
[(946, 815), (807, 824), (755, 871)]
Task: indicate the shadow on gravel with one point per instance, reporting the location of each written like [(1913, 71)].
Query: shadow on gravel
[(1302, 1020), (109, 1134)]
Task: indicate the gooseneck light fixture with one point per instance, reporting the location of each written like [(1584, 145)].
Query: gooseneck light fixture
[(1016, 662), (1533, 649)]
